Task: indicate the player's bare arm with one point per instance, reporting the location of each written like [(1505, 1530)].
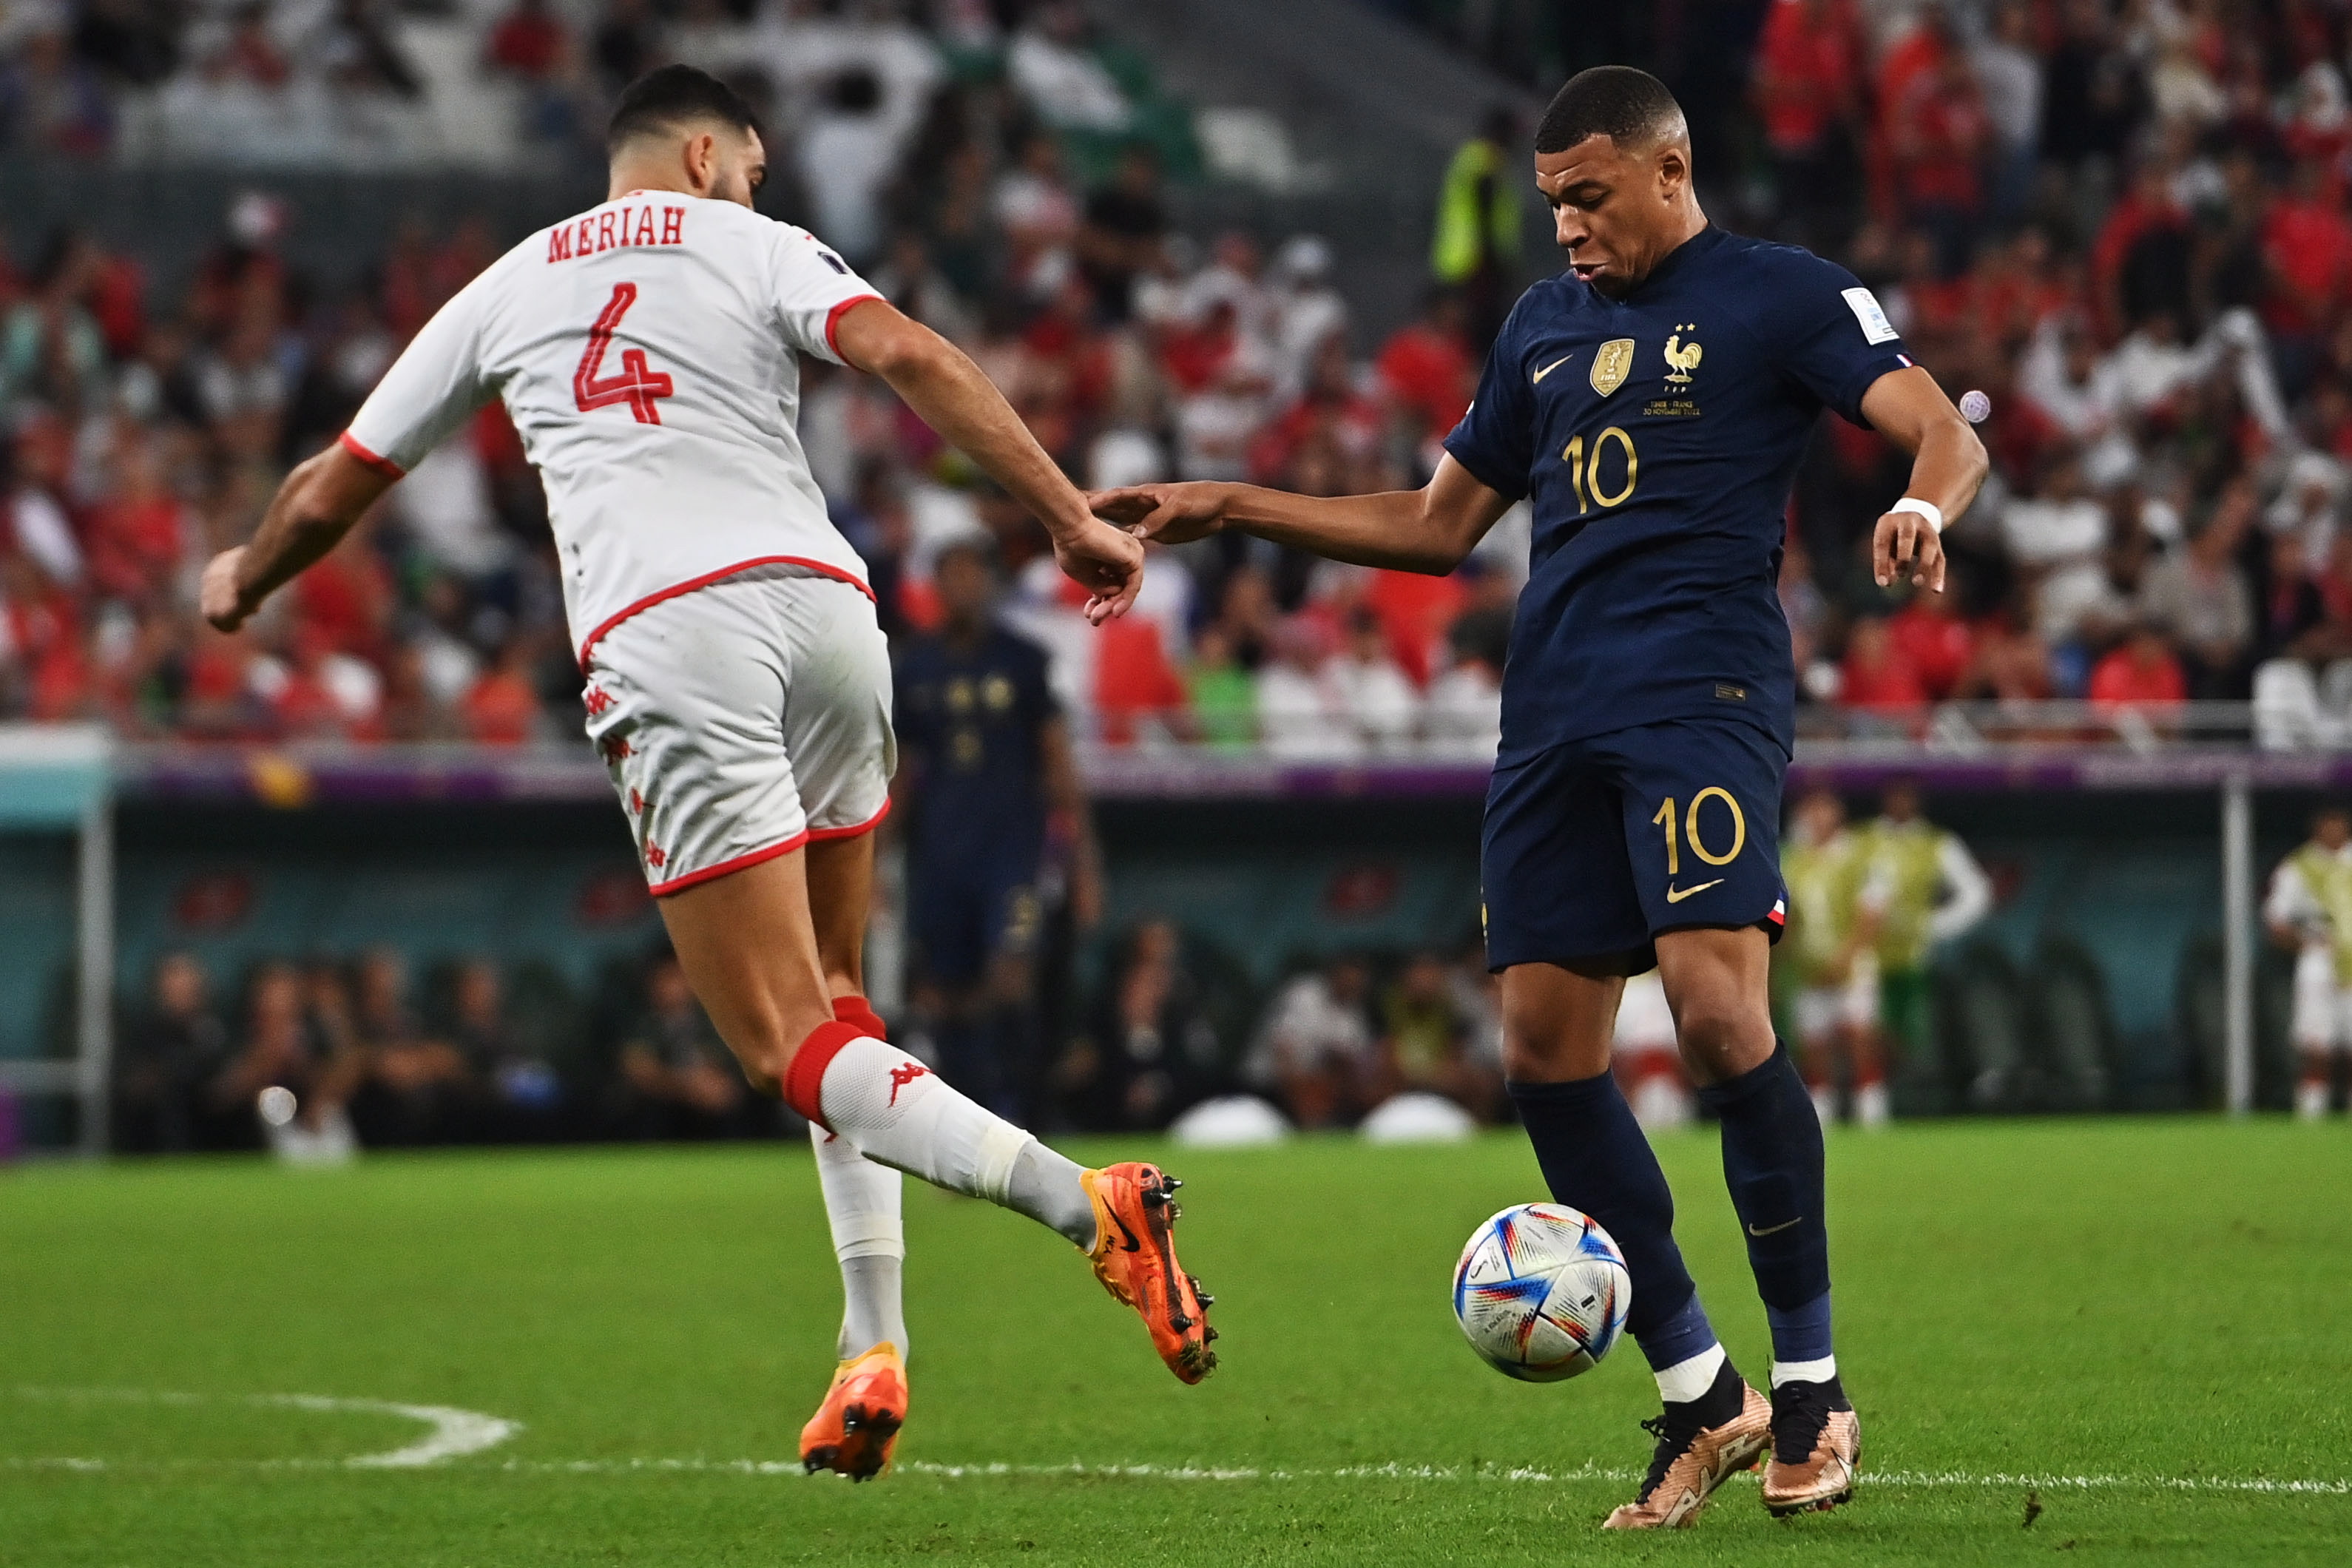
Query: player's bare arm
[(952, 394), (312, 510), (1948, 466), (1431, 530)]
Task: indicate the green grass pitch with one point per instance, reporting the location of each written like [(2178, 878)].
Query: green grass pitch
[(2141, 1329)]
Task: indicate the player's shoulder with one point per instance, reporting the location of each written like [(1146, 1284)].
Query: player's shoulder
[(1775, 258), (1009, 646), (1783, 291)]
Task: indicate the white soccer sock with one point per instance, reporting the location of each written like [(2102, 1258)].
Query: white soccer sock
[(1688, 1380), (1820, 1371), (896, 1110), (862, 1205)]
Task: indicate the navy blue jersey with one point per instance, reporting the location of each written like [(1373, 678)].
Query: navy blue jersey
[(970, 723), (1657, 437)]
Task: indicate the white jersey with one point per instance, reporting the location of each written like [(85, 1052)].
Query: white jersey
[(647, 353)]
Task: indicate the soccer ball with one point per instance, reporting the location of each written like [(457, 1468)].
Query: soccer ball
[(1542, 1292)]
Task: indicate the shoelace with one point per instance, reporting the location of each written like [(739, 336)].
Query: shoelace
[(1674, 1438), (1800, 1411)]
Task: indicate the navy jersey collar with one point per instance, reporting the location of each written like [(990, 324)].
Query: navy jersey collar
[(1699, 244)]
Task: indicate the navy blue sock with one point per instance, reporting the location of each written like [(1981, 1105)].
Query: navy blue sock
[(1594, 1158), (1772, 1162), (1803, 1333)]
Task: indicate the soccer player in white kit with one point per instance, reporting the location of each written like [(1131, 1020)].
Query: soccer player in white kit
[(738, 685)]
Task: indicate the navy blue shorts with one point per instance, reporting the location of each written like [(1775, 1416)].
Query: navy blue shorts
[(1594, 848), (965, 914)]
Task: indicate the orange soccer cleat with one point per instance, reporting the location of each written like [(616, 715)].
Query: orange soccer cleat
[(853, 1431), (1135, 1258)]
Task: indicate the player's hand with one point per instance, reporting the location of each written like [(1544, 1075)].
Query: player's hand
[(218, 598), (1165, 514), (1905, 542), (1106, 562)]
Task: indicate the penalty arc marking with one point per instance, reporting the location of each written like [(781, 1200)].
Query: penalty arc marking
[(452, 1433)]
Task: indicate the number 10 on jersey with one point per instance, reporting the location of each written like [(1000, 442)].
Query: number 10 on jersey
[(1586, 475), (638, 385)]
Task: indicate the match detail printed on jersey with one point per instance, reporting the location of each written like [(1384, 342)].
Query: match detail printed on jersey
[(1876, 327), (648, 352)]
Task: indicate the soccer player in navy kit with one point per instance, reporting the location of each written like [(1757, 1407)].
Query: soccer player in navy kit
[(986, 767), (1653, 403)]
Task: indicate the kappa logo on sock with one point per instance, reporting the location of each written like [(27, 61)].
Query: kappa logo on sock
[(903, 1075)]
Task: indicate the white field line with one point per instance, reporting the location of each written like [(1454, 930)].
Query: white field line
[(453, 1434), (1896, 1479)]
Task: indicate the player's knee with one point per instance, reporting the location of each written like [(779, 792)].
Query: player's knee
[(1722, 1035), (764, 1070)]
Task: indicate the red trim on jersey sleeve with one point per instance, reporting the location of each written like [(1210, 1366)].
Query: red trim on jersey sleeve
[(821, 568), (385, 466), (724, 867), (833, 319), (855, 829)]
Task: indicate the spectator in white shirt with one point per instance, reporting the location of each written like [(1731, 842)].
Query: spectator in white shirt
[(1378, 698), (1301, 714), (1050, 67), (1316, 1050)]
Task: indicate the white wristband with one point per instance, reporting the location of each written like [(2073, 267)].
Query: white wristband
[(1926, 509)]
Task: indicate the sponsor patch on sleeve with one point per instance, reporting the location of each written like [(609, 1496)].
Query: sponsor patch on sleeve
[(1876, 327)]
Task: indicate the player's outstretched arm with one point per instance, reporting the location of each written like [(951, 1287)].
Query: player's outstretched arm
[(308, 517), (952, 396), (1947, 465), (1430, 530)]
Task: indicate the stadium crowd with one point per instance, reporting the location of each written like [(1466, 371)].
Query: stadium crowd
[(2124, 224), (390, 1054)]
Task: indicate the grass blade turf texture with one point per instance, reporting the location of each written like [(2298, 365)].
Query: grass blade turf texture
[(2117, 1340)]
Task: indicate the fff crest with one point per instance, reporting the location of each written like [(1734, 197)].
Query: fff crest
[(1612, 361), (1682, 358)]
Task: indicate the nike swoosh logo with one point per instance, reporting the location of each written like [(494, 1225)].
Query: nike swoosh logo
[(1135, 1246), (1677, 895), (1553, 366), (1775, 1229)]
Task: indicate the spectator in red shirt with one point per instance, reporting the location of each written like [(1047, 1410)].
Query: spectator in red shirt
[(1929, 634), (502, 710), (2307, 266), (135, 538), (1939, 135), (1877, 674), (1808, 65), (529, 41), (1133, 680), (2139, 672), (1331, 408), (1426, 366)]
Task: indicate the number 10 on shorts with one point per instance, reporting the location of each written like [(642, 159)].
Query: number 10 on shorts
[(1689, 828)]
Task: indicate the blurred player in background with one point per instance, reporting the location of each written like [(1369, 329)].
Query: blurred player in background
[(2309, 912), (1832, 945), (1928, 889), (986, 778), (1653, 404), (738, 684), (1646, 1059)]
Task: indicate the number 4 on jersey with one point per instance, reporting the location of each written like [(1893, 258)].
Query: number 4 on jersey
[(638, 385)]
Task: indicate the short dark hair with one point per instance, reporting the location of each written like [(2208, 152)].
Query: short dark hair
[(673, 96), (1625, 105)]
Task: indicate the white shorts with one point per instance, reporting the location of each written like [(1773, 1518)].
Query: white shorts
[(742, 719), (2323, 1009), (1823, 1009)]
